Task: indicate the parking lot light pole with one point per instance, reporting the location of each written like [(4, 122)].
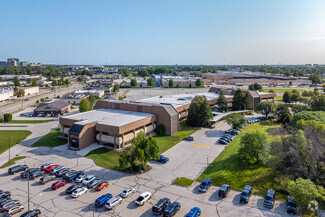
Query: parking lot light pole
[(9, 150)]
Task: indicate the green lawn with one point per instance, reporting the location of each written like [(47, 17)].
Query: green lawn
[(29, 121), (51, 140), (107, 158), (185, 182), (283, 89), (166, 142), (12, 161), (16, 136), (278, 98), (226, 169)]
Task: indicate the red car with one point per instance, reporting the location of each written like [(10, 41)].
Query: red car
[(101, 186), (58, 184), (48, 169)]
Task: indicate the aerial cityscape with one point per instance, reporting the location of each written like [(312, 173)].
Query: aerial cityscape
[(162, 108)]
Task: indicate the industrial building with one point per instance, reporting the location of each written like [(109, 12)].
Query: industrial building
[(6, 94), (116, 123), (74, 99), (30, 90), (54, 108), (97, 93)]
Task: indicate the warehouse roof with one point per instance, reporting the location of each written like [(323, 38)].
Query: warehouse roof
[(111, 117), (52, 106)]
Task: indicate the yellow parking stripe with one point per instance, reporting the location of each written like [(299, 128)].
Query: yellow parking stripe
[(202, 214), (274, 205), (251, 200), (129, 197), (262, 203), (141, 208), (219, 124), (209, 190), (179, 211), (229, 194), (201, 146)]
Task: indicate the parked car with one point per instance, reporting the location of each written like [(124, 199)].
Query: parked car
[(227, 136), (232, 132), (222, 141), (80, 178), (60, 172), (78, 192), (163, 159), (55, 169), (9, 204), (72, 188), (58, 184), (127, 192), (4, 200), (93, 183), (68, 173), (72, 177), (45, 165), (160, 206), (16, 169), (189, 138), (36, 174), (195, 212), (13, 210), (101, 186), (291, 206), (269, 199), (48, 169), (143, 198), (226, 139), (224, 190), (205, 185), (32, 213), (5, 194), (172, 209), (47, 179), (114, 201), (245, 195), (28, 172), (100, 202), (88, 179)]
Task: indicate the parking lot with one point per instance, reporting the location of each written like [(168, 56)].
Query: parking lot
[(187, 159)]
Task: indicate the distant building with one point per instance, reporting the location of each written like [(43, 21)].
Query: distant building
[(54, 108), (3, 63), (12, 61), (97, 93), (23, 63), (30, 90), (179, 81), (6, 94), (73, 99)]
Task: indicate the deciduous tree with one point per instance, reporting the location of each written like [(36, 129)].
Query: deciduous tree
[(222, 102), (84, 105), (199, 113), (266, 108), (236, 120)]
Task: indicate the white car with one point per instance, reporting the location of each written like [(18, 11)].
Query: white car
[(79, 192), (143, 198), (80, 178), (88, 179), (127, 192), (111, 203)]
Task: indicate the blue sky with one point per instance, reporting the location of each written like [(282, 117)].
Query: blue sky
[(163, 31)]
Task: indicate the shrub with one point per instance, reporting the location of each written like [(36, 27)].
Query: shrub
[(300, 108), (161, 130), (7, 117), (308, 115)]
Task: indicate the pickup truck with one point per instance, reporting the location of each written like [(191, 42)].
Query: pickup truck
[(163, 159)]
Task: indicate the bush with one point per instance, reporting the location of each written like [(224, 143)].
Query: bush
[(161, 130), (300, 108), (308, 115), (7, 117)]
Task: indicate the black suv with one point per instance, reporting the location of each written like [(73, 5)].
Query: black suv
[(60, 172), (28, 172), (72, 188), (32, 213), (269, 199), (36, 174), (245, 195), (16, 169), (224, 190), (5, 194), (291, 206), (159, 207), (171, 209)]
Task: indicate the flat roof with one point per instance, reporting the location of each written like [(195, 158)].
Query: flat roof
[(111, 117), (180, 99)]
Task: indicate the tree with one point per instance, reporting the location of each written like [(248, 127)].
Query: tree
[(295, 97), (257, 86), (266, 108), (238, 102), (121, 98), (34, 83), (116, 87), (7, 117), (42, 100), (16, 81), (316, 91), (144, 73), (171, 83), (251, 87), (317, 103), (286, 97), (19, 92), (308, 115), (84, 105), (134, 82), (222, 102), (198, 82), (254, 148), (92, 100), (67, 82), (124, 72), (236, 120), (283, 114), (299, 108), (161, 130), (199, 113), (315, 79), (304, 191), (248, 101), (151, 82), (54, 83), (1, 79)]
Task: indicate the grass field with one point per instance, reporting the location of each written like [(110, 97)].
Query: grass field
[(51, 140), (282, 89), (278, 98), (29, 121), (166, 142), (16, 136), (185, 182), (226, 169), (12, 161)]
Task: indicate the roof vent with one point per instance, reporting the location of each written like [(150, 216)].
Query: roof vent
[(160, 96)]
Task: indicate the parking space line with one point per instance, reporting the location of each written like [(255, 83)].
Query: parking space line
[(219, 124), (204, 146), (179, 211), (229, 194), (129, 197), (262, 203), (142, 208), (251, 200), (274, 205), (203, 214), (209, 190)]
